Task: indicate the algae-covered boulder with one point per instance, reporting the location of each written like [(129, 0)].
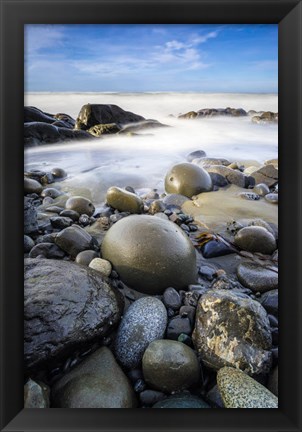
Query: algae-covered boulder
[(150, 254), (187, 179)]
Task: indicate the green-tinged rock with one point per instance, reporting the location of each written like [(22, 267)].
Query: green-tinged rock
[(187, 179), (150, 254), (239, 390), (123, 200), (170, 366), (182, 401), (98, 382)]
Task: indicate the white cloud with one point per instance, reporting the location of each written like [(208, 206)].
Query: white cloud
[(38, 37)]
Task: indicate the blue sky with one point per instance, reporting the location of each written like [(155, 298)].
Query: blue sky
[(146, 57)]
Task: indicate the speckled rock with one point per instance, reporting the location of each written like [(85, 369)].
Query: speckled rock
[(47, 250), (102, 266), (163, 358), (269, 301), (257, 278), (239, 390), (255, 239), (182, 401), (123, 200), (36, 395), (144, 322), (32, 186), (272, 383), (261, 189), (98, 382), (272, 198), (187, 179), (28, 243), (74, 240), (81, 205), (232, 330), (250, 196), (85, 257), (233, 176), (150, 254), (65, 306)]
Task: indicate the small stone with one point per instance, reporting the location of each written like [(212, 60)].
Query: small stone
[(156, 207), (47, 250), (178, 325), (250, 196), (255, 239), (51, 192), (160, 361), (32, 186), (47, 201), (171, 298), (188, 311), (238, 390), (150, 397), (123, 200), (267, 174), (174, 200), (216, 248), (70, 214), (232, 176), (218, 180), (60, 222), (85, 257), (207, 272), (81, 205), (273, 321), (139, 386), (74, 240), (195, 154), (257, 278), (186, 339), (188, 180), (36, 395), (28, 243), (272, 198), (84, 220), (215, 397), (269, 301), (261, 189), (186, 401), (54, 209), (102, 266), (59, 173)]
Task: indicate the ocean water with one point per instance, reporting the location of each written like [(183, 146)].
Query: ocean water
[(142, 161)]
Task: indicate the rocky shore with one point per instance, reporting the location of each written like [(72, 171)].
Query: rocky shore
[(162, 299)]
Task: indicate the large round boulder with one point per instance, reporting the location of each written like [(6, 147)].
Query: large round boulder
[(187, 179), (150, 254)]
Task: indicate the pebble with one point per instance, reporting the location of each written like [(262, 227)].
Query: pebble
[(187, 179), (161, 216), (85, 257), (51, 192), (171, 298), (47, 250), (84, 220), (59, 173), (207, 272), (32, 186), (186, 339), (255, 239), (261, 189), (47, 201), (60, 222), (257, 278), (269, 301), (195, 154), (73, 240), (215, 248), (238, 390), (185, 401), (28, 243), (150, 397), (36, 395), (124, 201), (160, 361), (101, 265), (218, 180), (157, 206), (144, 321), (81, 205), (188, 311), (250, 196), (178, 325), (70, 214), (272, 198), (215, 397)]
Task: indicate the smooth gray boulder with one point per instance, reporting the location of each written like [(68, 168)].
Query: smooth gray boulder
[(65, 306)]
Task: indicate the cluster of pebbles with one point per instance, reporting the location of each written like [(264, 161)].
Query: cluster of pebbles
[(125, 307)]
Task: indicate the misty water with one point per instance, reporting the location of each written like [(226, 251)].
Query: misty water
[(142, 161)]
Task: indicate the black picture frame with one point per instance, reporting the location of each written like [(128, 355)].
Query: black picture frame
[(16, 13)]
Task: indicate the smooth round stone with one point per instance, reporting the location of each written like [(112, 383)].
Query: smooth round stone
[(250, 196), (188, 180), (51, 192), (59, 173), (257, 278), (179, 325), (85, 257), (161, 216), (269, 301), (272, 198), (70, 214), (214, 396), (175, 200), (144, 321), (47, 250), (171, 298), (182, 401), (195, 154), (170, 366), (255, 239), (28, 243), (81, 205), (36, 395), (156, 207), (218, 179), (47, 201), (238, 390), (60, 222), (261, 189), (150, 397), (101, 265), (32, 186), (73, 240), (123, 200), (150, 254), (98, 382)]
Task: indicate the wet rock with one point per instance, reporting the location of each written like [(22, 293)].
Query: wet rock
[(102, 266), (98, 382), (30, 216), (33, 114), (81, 205), (218, 179), (51, 192), (215, 248), (239, 390), (188, 115), (47, 238), (104, 129), (255, 239), (144, 322), (65, 306), (195, 154), (28, 243), (160, 361), (215, 397), (73, 215), (150, 397), (123, 200), (74, 240), (232, 176), (36, 395), (213, 161), (95, 114), (32, 186), (188, 311), (171, 298), (272, 198), (232, 330), (187, 179), (141, 126), (250, 196), (257, 278), (261, 189), (182, 401), (267, 174), (85, 257), (269, 301), (175, 199), (59, 173), (272, 384), (47, 250), (156, 207), (60, 222), (150, 254), (177, 326)]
